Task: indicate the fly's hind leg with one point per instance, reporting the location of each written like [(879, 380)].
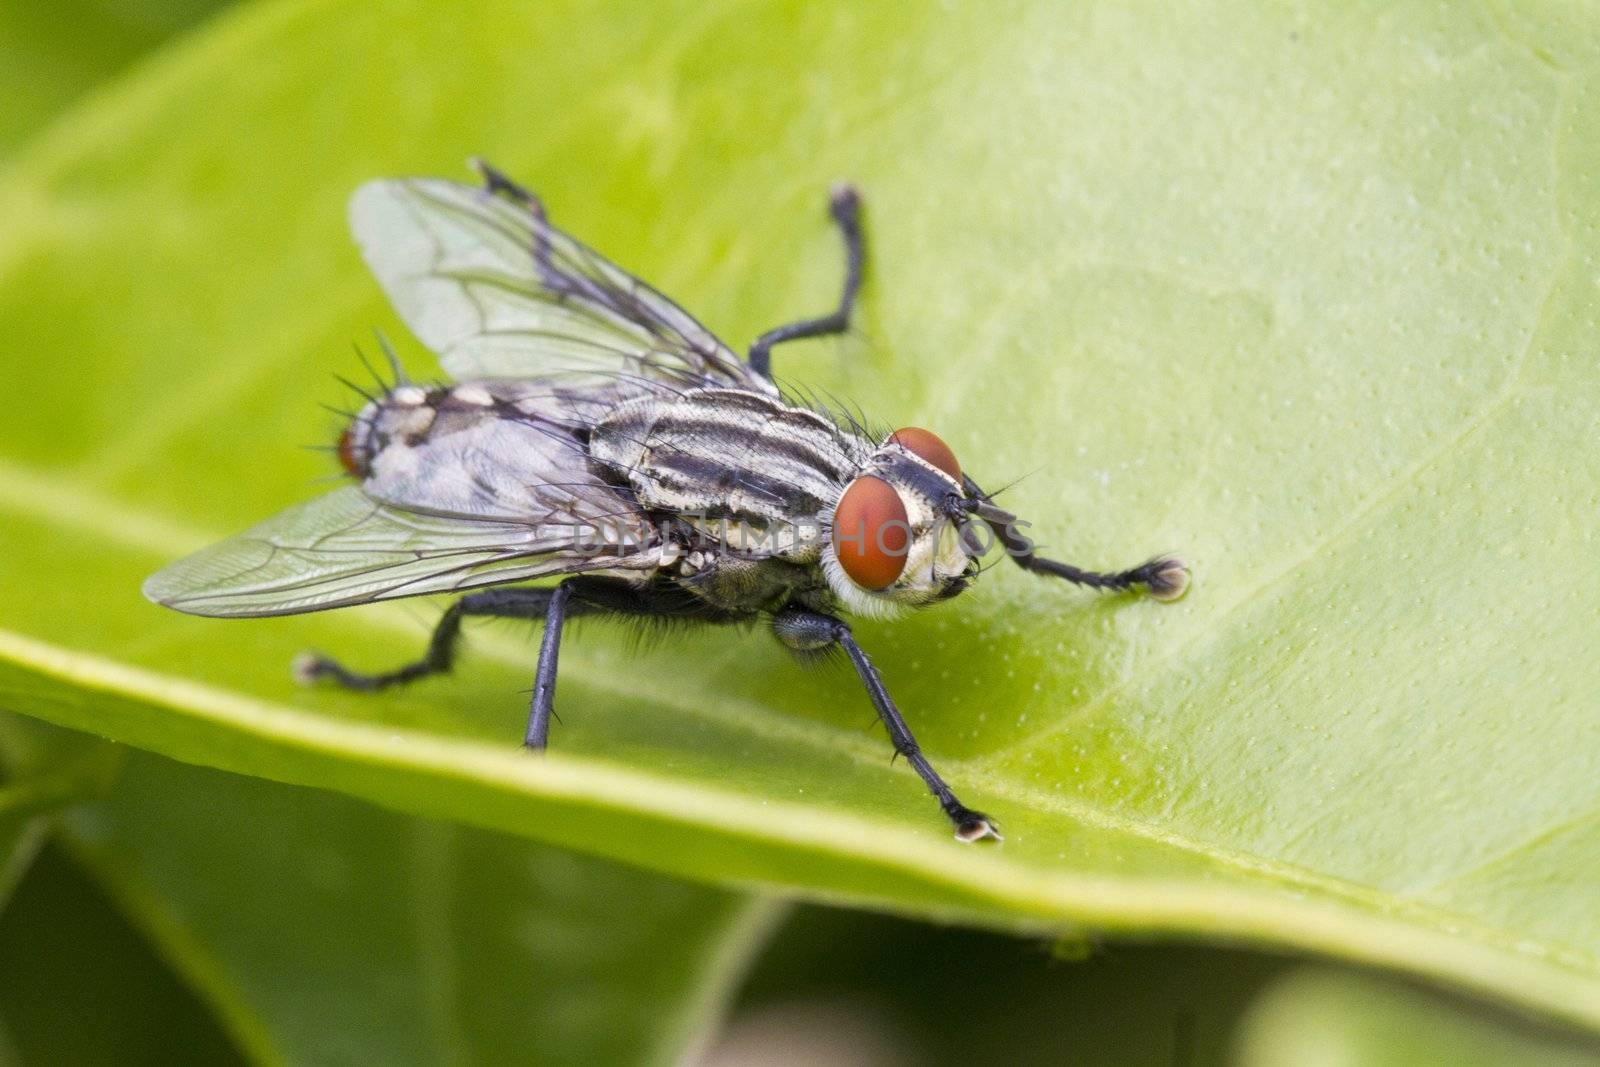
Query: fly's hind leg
[(554, 606), (580, 595), (810, 632), (844, 204), (513, 603)]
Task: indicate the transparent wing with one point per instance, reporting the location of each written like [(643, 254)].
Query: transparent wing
[(482, 279), (347, 548)]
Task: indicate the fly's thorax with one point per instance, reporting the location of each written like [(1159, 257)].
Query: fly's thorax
[(893, 539), (740, 468)]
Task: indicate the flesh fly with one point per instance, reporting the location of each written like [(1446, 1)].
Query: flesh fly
[(595, 433)]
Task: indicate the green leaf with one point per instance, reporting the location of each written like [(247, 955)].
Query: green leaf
[(51, 51), (42, 770), (1306, 295), (323, 930), (78, 985), (1336, 1018), (863, 988), (22, 831), (859, 988)]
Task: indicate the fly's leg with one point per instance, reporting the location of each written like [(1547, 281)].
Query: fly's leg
[(844, 204), (583, 596), (544, 676), (515, 603), (497, 181), (1165, 577), (553, 277), (551, 605), (812, 632), (573, 597)]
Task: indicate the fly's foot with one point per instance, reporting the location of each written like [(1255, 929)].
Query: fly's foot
[(1168, 577), (844, 203), (309, 668), (973, 825)]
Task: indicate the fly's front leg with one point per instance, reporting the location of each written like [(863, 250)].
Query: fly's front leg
[(1165, 577), (844, 204), (811, 632)]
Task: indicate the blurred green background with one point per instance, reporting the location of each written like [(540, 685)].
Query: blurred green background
[(1305, 292)]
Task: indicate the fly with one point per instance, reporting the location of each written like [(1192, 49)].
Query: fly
[(596, 433)]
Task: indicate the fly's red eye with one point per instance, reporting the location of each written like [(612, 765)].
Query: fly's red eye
[(926, 445), (871, 533), (350, 456)]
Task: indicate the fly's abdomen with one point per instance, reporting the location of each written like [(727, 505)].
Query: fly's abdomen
[(726, 454), (501, 450)]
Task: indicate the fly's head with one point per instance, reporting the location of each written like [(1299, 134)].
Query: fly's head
[(895, 535)]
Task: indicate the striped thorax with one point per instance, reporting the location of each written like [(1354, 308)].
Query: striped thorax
[(765, 480), (728, 454)]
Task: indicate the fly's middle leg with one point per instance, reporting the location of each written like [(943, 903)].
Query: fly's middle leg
[(543, 704), (586, 596), (844, 204), (812, 632)]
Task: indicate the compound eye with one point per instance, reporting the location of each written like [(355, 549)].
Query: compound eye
[(926, 445), (871, 533)]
